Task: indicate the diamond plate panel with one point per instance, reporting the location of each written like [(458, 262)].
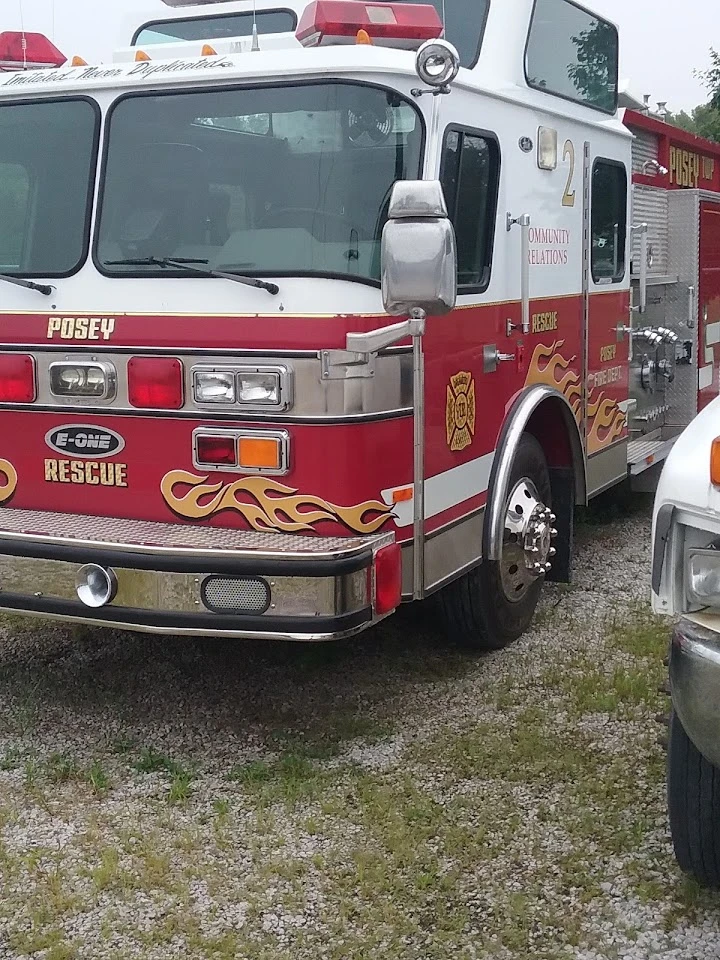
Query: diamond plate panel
[(650, 205), (684, 260), (170, 537)]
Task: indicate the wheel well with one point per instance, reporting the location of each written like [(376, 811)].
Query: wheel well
[(554, 427)]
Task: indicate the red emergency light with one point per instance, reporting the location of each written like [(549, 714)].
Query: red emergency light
[(404, 25), (28, 51)]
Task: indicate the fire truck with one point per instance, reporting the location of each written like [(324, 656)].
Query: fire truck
[(309, 311)]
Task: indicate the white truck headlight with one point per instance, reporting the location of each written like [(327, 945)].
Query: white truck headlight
[(703, 577), (83, 379), (214, 386), (259, 387), (253, 387)]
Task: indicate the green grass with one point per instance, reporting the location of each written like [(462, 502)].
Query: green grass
[(290, 779), (491, 836)]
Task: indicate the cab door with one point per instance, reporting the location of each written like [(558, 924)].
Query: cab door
[(607, 307)]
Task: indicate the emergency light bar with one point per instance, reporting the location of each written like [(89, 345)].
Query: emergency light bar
[(403, 25), (28, 51)]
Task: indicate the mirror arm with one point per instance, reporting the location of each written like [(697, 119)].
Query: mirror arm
[(376, 340)]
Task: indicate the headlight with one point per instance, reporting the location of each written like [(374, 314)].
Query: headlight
[(214, 386), (703, 577), (85, 380), (252, 387), (259, 388)]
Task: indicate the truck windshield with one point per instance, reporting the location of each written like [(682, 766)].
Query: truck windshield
[(276, 181), (216, 27), (47, 159)]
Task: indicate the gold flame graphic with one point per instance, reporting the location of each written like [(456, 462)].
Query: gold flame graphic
[(276, 506), (9, 473), (550, 367), (608, 422)]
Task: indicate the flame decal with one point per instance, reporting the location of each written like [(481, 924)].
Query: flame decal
[(275, 506), (549, 366), (9, 474), (607, 423)]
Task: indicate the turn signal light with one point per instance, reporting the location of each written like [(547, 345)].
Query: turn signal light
[(155, 383), (715, 462), (17, 378), (142, 57), (388, 578), (215, 451), (259, 453)]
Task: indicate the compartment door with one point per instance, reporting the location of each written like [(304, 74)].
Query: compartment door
[(709, 326)]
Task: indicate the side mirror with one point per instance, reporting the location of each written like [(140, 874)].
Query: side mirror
[(419, 258)]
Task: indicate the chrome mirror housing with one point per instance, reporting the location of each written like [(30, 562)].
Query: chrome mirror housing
[(419, 258)]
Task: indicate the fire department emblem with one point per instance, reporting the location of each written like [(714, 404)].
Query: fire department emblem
[(460, 411), (8, 480)]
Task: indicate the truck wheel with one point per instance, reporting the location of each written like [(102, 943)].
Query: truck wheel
[(492, 605), (693, 790)]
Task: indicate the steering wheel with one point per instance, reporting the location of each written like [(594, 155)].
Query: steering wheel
[(291, 213)]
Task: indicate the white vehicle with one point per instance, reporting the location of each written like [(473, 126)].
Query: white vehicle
[(686, 584)]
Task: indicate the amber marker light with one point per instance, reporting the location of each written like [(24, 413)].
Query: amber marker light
[(142, 57), (259, 453), (208, 51), (404, 495), (715, 462)]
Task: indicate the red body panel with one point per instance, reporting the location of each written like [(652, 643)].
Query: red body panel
[(337, 471), (708, 347)]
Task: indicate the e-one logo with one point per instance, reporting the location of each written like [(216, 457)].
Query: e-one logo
[(83, 440)]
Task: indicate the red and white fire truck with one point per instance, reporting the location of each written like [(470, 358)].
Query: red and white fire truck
[(305, 312)]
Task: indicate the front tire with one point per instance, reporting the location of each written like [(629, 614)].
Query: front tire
[(492, 605), (693, 792)]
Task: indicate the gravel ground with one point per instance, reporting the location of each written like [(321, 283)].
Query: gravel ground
[(388, 797)]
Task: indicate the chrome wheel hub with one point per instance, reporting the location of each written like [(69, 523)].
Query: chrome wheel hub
[(527, 540)]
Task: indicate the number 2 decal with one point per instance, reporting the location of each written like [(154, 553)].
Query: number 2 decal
[(568, 199)]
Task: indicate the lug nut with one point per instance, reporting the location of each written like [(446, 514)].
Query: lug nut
[(548, 567), (553, 532), (552, 551), (552, 518)]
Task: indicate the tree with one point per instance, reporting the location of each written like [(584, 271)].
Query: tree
[(703, 121), (711, 78)]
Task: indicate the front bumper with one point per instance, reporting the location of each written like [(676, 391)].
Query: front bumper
[(695, 684), (179, 579)]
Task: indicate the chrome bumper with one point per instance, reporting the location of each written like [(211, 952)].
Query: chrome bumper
[(695, 685), (179, 579)]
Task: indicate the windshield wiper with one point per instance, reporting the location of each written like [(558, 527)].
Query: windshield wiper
[(29, 284), (186, 263)]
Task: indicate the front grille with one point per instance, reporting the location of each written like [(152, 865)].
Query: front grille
[(250, 596)]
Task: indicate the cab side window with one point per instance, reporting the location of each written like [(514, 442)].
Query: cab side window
[(470, 175), (14, 207), (609, 221)]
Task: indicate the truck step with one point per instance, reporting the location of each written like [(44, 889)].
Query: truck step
[(643, 454)]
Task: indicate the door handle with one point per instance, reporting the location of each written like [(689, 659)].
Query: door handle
[(492, 357)]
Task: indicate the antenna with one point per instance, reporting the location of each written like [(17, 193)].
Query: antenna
[(24, 38), (255, 42)]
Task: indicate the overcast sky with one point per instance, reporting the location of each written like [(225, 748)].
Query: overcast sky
[(662, 40)]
